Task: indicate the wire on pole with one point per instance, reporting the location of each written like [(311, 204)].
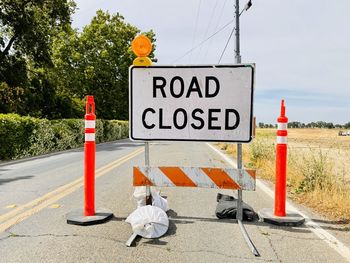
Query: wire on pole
[(210, 22), (205, 40), (228, 40), (196, 26), (216, 27)]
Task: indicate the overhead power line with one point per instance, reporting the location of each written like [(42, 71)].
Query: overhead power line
[(228, 40), (205, 40), (247, 6), (196, 25), (208, 26), (216, 27)]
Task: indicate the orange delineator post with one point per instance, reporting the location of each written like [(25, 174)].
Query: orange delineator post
[(281, 164), (89, 157), (89, 215)]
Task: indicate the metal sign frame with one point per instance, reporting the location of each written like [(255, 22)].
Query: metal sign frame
[(131, 102), (239, 215)]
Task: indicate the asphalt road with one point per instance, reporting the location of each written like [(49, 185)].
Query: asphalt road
[(36, 194)]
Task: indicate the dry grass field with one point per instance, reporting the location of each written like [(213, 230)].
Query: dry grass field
[(318, 173)]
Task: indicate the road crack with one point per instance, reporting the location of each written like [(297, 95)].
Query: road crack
[(273, 249), (270, 243), (14, 235), (282, 237)]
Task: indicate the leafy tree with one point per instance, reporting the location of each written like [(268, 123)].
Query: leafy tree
[(10, 98), (44, 100), (96, 62), (329, 125), (47, 68), (294, 124), (27, 28)]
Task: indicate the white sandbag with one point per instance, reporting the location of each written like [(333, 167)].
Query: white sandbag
[(139, 192), (157, 200), (140, 195), (149, 221)]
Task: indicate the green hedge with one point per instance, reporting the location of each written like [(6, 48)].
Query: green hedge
[(27, 136)]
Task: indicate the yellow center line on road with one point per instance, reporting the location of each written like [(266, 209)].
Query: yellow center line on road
[(17, 215)]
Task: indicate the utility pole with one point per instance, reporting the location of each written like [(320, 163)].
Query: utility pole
[(239, 215), (237, 50), (239, 145)]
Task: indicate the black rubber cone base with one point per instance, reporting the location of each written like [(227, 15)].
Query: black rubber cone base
[(77, 217), (291, 218)]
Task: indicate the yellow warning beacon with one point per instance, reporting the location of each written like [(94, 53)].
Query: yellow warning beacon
[(142, 47)]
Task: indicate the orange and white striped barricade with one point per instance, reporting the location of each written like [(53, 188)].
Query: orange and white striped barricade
[(204, 177), (278, 215), (219, 178), (89, 216)]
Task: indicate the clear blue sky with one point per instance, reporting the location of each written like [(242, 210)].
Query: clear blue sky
[(301, 48)]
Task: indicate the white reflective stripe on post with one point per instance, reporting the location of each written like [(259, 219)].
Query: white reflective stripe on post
[(90, 124), (281, 139), (282, 126), (89, 137)]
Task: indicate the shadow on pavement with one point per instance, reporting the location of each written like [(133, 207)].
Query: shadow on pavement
[(3, 170), (342, 225), (116, 146), (156, 241), (39, 157), (119, 219), (4, 181), (113, 145), (173, 216), (333, 222)]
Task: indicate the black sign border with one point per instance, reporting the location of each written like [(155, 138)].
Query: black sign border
[(252, 66)]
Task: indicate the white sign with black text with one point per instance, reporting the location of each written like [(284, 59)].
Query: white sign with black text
[(191, 103)]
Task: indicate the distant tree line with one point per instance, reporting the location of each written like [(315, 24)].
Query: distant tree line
[(317, 124), (47, 67), (266, 125)]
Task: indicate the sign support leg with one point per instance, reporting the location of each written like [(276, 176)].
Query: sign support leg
[(131, 240), (239, 215), (240, 199), (248, 240), (148, 188), (148, 194)]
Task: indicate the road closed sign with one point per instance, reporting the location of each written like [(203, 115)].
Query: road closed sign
[(191, 103)]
